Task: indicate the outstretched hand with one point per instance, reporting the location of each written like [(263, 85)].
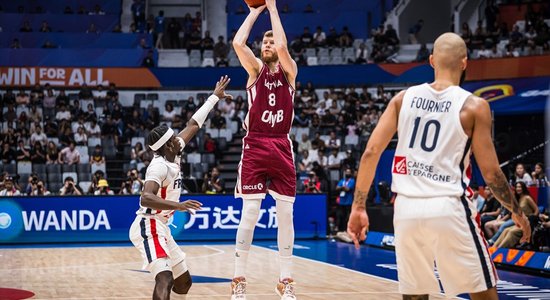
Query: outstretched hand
[(191, 206), (358, 226), (271, 4), (522, 222), (219, 91)]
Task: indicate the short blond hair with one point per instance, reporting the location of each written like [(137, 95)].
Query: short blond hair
[(268, 33)]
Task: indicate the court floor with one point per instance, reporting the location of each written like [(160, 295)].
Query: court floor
[(323, 270)]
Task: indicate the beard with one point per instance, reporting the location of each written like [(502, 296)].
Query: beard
[(271, 58)]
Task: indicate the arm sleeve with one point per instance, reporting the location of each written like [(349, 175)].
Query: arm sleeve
[(156, 173)]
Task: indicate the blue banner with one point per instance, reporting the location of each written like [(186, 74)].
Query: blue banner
[(108, 219)]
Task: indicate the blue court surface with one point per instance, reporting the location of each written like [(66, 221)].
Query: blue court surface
[(381, 262)]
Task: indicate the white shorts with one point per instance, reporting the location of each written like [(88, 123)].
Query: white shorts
[(154, 240), (443, 231)]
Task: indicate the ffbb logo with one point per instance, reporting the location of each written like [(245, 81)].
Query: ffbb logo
[(400, 165)]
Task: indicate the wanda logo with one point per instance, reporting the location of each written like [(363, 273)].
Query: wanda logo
[(400, 165)]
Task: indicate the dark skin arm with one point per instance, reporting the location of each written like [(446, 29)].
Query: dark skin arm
[(150, 199), (192, 126)]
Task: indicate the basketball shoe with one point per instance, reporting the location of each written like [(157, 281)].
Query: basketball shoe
[(285, 289), (238, 288)]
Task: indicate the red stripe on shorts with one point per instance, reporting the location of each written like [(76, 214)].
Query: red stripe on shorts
[(158, 248)]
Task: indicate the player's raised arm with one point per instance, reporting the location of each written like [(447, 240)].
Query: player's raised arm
[(250, 62), (281, 43), (358, 223), (486, 157), (198, 119)]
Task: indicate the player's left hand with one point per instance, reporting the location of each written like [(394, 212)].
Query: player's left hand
[(522, 222), (219, 91), (358, 226)]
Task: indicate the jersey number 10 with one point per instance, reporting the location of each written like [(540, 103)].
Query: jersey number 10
[(424, 142)]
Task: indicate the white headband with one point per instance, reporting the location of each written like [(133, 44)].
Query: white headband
[(162, 140)]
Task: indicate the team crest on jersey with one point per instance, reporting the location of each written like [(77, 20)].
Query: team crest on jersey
[(400, 165)]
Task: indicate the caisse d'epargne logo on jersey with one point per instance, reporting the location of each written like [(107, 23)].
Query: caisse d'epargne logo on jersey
[(400, 165)]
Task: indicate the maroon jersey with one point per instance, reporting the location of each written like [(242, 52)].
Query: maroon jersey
[(270, 103)]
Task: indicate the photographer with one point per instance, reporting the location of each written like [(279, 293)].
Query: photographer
[(213, 184), (103, 188), (70, 188), (126, 187), (136, 182), (312, 184), (9, 188), (39, 189), (31, 185)]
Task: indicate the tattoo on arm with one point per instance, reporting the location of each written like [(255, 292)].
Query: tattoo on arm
[(502, 192), (360, 199)]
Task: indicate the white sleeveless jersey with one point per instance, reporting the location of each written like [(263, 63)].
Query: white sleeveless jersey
[(432, 158), (168, 176)]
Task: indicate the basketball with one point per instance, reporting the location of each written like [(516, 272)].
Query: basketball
[(255, 3)]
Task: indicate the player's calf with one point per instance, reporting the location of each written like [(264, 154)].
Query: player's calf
[(164, 281), (415, 297)]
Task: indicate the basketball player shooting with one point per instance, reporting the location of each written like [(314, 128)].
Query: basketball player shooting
[(160, 199), (267, 150), (438, 125)]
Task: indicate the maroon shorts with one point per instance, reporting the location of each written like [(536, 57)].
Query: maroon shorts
[(267, 166)]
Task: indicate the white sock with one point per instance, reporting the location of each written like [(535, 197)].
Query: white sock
[(245, 234), (285, 236)]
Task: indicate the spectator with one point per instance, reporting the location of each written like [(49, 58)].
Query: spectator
[(332, 38), (209, 144), (143, 44), (52, 153), (9, 188), (538, 176), (38, 153), (45, 27), (414, 31), (423, 54), (35, 115), (173, 30), (217, 120), (97, 11), (26, 27), (309, 8), (319, 37), (15, 44), (510, 51), (491, 208), (63, 114), (349, 162), (8, 154), (23, 152), (207, 42), (93, 129), (80, 137), (69, 155), (103, 188), (22, 98), (62, 99), (138, 12), (491, 14), (92, 29), (66, 136), (334, 141), (333, 160), (312, 185), (221, 49), (149, 60), (304, 144), (494, 228), (307, 38), (40, 189), (97, 156), (346, 38), (82, 10), (68, 10), (521, 175), (159, 28), (70, 188), (361, 55), (169, 113), (390, 36), (222, 62), (511, 236), (213, 184), (345, 189), (136, 182), (484, 53)]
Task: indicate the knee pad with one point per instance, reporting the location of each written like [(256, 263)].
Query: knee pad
[(250, 213)]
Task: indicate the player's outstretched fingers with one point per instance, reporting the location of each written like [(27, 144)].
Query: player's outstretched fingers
[(354, 238)]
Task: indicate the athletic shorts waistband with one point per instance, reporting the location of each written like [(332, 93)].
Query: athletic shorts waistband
[(267, 134)]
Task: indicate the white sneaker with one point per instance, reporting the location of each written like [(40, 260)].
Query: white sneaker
[(285, 289), (238, 288)]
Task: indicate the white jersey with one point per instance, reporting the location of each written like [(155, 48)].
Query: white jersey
[(168, 176), (432, 158)]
